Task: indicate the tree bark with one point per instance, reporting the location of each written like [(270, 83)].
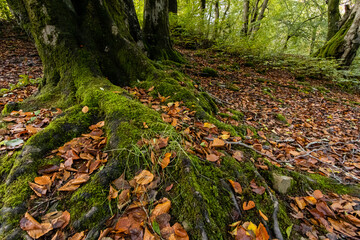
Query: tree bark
[(245, 26), (333, 18), (345, 43), (156, 30), (173, 6), (256, 25)]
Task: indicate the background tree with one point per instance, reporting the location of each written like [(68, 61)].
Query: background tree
[(345, 43)]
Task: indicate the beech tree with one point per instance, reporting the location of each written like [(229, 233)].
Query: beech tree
[(345, 42), (90, 50)]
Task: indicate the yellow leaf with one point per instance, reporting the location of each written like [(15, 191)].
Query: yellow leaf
[(85, 109)]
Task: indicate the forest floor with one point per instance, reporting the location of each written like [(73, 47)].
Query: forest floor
[(302, 126)]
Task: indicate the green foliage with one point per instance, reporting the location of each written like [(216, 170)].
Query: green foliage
[(5, 13)]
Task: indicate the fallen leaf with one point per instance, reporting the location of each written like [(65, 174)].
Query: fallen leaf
[(161, 208), (212, 157), (261, 233), (112, 193), (238, 155), (165, 161), (300, 202), (263, 215), (148, 235), (78, 236), (85, 109), (33, 227), (248, 205), (218, 143), (318, 194), (143, 178), (236, 186)]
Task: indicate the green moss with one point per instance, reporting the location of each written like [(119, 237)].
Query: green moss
[(331, 185), (281, 118), (232, 87), (210, 72)]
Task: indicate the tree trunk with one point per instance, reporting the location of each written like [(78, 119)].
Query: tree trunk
[(156, 30), (333, 18), (256, 25), (173, 6), (217, 17), (88, 52), (345, 43), (245, 26)]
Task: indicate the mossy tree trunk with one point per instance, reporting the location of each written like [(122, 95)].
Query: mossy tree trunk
[(156, 30), (333, 18), (345, 43), (90, 49)]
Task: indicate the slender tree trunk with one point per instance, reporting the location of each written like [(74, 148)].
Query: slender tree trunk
[(313, 39), (217, 17), (245, 26), (333, 18), (156, 30), (256, 25), (173, 6), (345, 43)]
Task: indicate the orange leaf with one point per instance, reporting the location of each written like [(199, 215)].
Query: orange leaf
[(43, 180), (261, 233), (145, 177), (161, 208), (263, 215), (311, 200), (85, 109), (148, 235), (112, 193), (165, 161), (248, 205), (218, 143), (180, 231), (236, 186), (300, 202)]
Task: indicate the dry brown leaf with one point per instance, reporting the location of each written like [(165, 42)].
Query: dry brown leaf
[(143, 178), (238, 155), (74, 184), (38, 189), (148, 235), (218, 143), (78, 236), (161, 208), (113, 193), (248, 205), (165, 161), (300, 202), (236, 186), (318, 194), (212, 157), (33, 227)]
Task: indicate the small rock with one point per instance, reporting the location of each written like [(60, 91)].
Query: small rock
[(281, 183)]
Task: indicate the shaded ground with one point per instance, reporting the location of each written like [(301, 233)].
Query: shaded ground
[(306, 125)]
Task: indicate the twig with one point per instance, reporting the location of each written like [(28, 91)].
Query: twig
[(273, 198), (247, 146), (227, 187)]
